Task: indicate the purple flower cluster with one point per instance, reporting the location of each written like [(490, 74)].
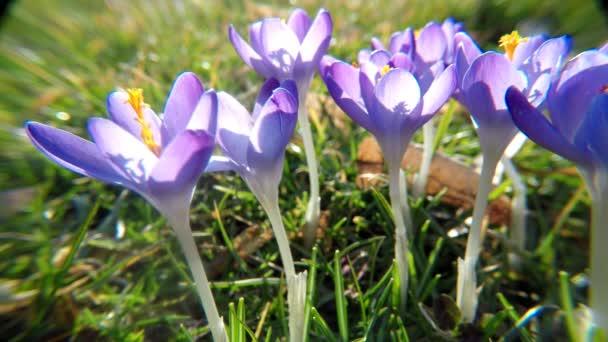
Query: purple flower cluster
[(391, 91)]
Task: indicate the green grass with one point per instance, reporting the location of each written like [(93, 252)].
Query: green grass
[(87, 260)]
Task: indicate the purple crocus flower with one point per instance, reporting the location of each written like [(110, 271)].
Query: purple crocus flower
[(254, 147), (286, 51), (529, 64), (385, 98), (159, 159), (484, 78), (578, 131), (291, 51)]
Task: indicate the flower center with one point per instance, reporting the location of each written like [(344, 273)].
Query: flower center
[(604, 89), (510, 41), (136, 100), (384, 70)]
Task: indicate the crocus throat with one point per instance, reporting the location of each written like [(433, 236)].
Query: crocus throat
[(510, 41), (136, 100)]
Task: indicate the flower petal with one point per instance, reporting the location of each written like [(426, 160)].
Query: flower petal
[(126, 152), (404, 42), (380, 58), (568, 104), (593, 133), (272, 130), (248, 54), (280, 46), (181, 102), (265, 92), (73, 153), (204, 116), (431, 44), (376, 44), (398, 90), (124, 115), (342, 82), (439, 91), (402, 61), (220, 163), (317, 39), (533, 124), (181, 162), (299, 22), (525, 49), (234, 125), (363, 56)]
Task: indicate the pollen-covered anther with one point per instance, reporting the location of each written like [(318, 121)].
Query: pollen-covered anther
[(510, 41), (136, 100), (384, 70)]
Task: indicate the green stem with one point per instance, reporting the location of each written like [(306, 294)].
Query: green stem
[(181, 226), (405, 207), (401, 243), (466, 296)]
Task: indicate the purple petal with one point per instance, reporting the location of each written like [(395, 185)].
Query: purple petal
[(593, 133), (220, 163), (204, 116), (431, 44), (273, 129), (376, 44), (299, 22), (234, 126), (363, 56), (604, 48), (126, 152), (526, 48), (466, 52), (183, 99), (402, 61), (483, 93), (582, 61), (280, 46), (380, 58), (265, 92), (439, 91), (342, 82), (181, 162), (124, 115), (450, 27), (534, 124), (398, 90), (248, 54), (73, 153), (317, 39), (403, 42), (568, 104)]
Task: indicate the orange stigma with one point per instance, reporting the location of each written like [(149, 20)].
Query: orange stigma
[(136, 100), (510, 41)]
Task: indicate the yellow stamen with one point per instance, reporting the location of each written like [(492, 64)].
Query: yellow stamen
[(510, 41), (355, 64), (417, 33), (136, 100), (384, 70)]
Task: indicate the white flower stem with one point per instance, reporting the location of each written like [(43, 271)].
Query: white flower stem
[(405, 207), (314, 202), (599, 253), (518, 205), (401, 243), (296, 283), (466, 295), (183, 232), (419, 188)]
